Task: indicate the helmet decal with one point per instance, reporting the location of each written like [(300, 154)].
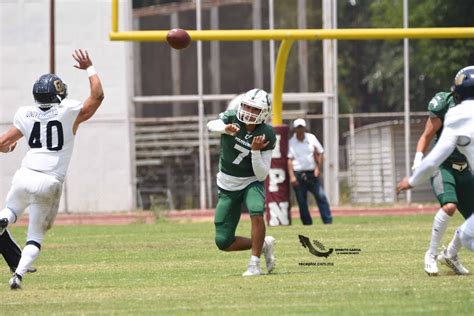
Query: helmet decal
[(49, 89)]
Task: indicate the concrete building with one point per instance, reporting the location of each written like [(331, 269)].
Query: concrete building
[(101, 172)]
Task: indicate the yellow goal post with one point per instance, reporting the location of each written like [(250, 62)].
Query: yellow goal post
[(288, 36)]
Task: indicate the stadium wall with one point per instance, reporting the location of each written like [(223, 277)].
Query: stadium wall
[(101, 173)]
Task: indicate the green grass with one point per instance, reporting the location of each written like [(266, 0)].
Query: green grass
[(174, 268)]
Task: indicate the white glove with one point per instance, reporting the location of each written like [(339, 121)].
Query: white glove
[(417, 160)]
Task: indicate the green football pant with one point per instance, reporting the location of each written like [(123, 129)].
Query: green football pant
[(228, 211), (453, 186)]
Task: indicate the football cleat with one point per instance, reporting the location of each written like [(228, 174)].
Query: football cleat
[(453, 263), (253, 269), (431, 266), (268, 249), (15, 282)]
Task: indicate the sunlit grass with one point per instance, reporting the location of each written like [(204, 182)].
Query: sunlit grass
[(175, 268)]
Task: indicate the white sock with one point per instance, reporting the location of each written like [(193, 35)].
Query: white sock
[(28, 255), (255, 259), (440, 224), (455, 245)]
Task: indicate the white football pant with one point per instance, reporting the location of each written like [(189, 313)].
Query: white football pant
[(467, 233), (41, 194)]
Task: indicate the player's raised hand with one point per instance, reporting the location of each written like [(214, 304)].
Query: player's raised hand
[(403, 185), (259, 143), (82, 58), (232, 129)]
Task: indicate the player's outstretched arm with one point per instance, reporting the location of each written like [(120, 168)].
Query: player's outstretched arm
[(92, 103), (443, 148), (8, 140), (219, 127)]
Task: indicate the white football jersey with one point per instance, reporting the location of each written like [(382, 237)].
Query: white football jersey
[(49, 135)]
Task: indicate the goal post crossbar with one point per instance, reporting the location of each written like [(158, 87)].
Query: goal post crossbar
[(288, 36)]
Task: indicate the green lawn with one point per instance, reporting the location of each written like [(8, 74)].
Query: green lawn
[(174, 268)]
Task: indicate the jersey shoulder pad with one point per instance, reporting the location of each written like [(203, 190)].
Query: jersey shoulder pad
[(440, 103), (71, 104)]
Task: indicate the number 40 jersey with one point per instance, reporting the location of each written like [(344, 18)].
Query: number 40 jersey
[(50, 136)]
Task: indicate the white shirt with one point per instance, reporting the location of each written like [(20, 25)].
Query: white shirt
[(49, 135), (302, 152), (458, 131)]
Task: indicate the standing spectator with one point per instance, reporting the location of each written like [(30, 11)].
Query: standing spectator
[(305, 160)]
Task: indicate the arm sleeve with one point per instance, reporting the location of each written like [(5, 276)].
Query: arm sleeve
[(444, 147), (18, 123), (290, 155), (216, 126), (261, 161), (318, 146)]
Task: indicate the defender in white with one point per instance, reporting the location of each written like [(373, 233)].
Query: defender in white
[(49, 127)]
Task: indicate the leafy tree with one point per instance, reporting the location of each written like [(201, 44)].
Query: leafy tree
[(371, 72)]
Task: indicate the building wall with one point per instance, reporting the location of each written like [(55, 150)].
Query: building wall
[(100, 174)]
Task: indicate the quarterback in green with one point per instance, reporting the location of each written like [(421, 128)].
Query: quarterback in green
[(452, 184), (245, 158)]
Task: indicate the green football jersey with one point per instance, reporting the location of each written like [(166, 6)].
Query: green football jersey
[(235, 156), (438, 107)]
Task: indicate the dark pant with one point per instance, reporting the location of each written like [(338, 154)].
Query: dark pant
[(9, 249), (308, 182)]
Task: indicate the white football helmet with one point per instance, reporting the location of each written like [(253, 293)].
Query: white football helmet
[(235, 102), (258, 99)]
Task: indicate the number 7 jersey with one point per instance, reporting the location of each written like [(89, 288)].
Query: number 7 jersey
[(50, 136), (235, 158)]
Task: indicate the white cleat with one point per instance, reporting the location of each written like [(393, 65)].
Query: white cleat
[(15, 282), (431, 266), (268, 249), (453, 263), (253, 269)]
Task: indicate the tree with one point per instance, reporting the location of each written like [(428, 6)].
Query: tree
[(371, 72)]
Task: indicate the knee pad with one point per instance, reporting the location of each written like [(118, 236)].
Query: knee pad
[(223, 237)]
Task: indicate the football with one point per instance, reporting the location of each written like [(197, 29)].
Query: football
[(178, 38)]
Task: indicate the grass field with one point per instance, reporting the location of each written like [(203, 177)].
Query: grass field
[(174, 268)]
